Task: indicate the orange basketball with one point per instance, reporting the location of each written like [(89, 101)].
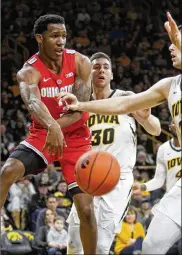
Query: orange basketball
[(97, 172)]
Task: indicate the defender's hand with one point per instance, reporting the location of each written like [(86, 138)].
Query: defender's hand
[(173, 31), (72, 101), (54, 140)]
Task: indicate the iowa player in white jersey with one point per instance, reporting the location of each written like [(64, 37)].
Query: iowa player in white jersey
[(168, 167), (168, 89), (117, 135)]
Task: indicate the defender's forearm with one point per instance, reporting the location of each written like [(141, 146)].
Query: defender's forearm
[(109, 106)]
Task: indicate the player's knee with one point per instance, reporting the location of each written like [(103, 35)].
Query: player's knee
[(86, 213), (12, 171)]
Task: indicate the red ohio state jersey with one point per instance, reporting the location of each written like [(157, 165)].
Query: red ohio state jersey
[(50, 85)]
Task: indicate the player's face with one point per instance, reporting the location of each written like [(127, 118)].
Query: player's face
[(53, 41), (101, 73), (175, 56)]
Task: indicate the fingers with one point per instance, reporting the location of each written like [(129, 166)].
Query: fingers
[(65, 95), (173, 31), (172, 22), (167, 27), (53, 149), (64, 143)]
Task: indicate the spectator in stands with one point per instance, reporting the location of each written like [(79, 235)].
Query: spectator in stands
[(63, 202), (63, 188), (41, 235), (129, 240), (21, 38), (51, 204), (5, 222), (20, 194), (142, 159), (57, 237), (83, 17), (37, 203), (50, 177), (44, 178), (54, 177), (146, 214)]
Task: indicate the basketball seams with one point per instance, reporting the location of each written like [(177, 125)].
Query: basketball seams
[(89, 179), (100, 175), (104, 178)]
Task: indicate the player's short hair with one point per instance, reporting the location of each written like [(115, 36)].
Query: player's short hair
[(98, 55), (42, 22)]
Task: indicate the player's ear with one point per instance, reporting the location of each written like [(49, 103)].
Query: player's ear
[(39, 38)]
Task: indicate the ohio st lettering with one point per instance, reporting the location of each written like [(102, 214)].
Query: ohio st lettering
[(53, 91)]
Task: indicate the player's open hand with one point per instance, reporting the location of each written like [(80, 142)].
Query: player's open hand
[(72, 102), (136, 188), (54, 140), (173, 31)]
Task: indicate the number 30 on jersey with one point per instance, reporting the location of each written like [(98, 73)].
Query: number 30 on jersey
[(102, 136)]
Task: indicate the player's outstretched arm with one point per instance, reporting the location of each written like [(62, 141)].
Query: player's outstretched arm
[(144, 117), (28, 79), (158, 179), (157, 94)]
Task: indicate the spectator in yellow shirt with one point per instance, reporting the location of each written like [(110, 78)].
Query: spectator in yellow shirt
[(129, 240)]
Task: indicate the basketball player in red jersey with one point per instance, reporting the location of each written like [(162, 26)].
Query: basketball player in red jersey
[(52, 70)]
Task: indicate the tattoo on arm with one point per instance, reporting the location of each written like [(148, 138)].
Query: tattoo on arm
[(82, 90)]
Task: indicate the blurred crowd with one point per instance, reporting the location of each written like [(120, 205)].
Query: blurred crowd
[(133, 36)]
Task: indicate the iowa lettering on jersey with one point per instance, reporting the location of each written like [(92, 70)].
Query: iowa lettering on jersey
[(174, 162), (176, 108), (53, 91), (101, 119)]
